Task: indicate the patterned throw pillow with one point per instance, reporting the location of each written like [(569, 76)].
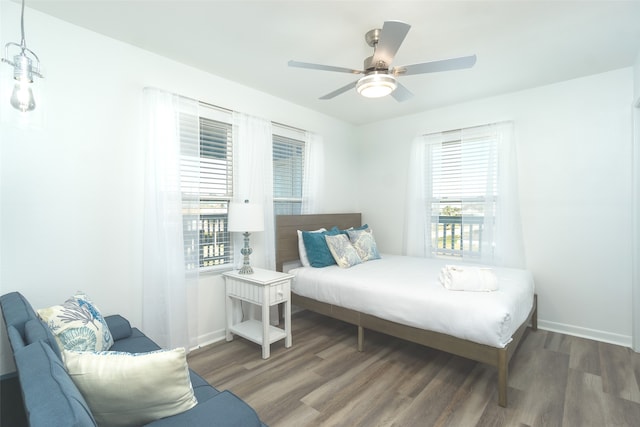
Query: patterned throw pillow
[(78, 325), (343, 251), (364, 243)]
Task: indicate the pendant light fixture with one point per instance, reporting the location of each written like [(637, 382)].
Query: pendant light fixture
[(26, 64)]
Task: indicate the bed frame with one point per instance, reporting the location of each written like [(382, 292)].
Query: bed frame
[(287, 250)]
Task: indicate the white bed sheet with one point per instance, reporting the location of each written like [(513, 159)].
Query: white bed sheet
[(407, 290)]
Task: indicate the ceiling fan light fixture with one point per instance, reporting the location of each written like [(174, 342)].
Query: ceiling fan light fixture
[(376, 85)]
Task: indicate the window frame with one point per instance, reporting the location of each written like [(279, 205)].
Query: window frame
[(220, 193)]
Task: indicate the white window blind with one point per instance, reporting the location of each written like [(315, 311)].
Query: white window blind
[(463, 191), (288, 171), (207, 187)]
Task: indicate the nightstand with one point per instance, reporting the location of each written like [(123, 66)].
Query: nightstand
[(264, 288)]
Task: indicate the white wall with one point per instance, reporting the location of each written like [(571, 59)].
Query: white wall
[(636, 207), (574, 151), (71, 195)]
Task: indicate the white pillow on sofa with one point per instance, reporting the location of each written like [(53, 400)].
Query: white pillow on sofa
[(124, 389)]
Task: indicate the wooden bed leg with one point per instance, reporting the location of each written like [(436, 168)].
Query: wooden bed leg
[(503, 369), (534, 317), (360, 338)]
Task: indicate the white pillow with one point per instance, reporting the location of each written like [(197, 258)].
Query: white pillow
[(125, 389), (302, 250), (78, 324)]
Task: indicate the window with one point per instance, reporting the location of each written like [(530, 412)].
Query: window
[(288, 170), (207, 187), (463, 193)]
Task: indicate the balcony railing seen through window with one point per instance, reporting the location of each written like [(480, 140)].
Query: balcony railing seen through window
[(451, 235)]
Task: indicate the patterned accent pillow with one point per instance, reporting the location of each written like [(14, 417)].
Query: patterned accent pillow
[(343, 251), (78, 325), (364, 243), (126, 389)]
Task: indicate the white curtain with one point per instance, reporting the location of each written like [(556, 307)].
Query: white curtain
[(509, 246), (313, 174), (253, 181), (167, 285), (417, 232), (501, 238)]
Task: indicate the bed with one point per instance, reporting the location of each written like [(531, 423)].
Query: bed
[(339, 301)]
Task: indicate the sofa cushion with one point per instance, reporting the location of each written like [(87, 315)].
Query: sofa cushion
[(201, 388), (15, 339), (125, 389), (119, 327), (229, 410), (137, 342), (51, 399), (78, 324), (16, 310), (36, 330)]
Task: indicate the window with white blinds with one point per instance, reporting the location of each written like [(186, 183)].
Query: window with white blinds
[(288, 171), (207, 187), (463, 174)]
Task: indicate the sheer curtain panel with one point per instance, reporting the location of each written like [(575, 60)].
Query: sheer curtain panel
[(253, 178), (313, 173), (253, 181), (168, 286)]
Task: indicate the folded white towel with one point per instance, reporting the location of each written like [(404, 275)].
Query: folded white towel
[(466, 278)]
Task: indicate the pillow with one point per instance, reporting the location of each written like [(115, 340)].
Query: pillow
[(317, 249), (343, 251), (78, 325), (302, 251), (364, 244), (125, 389), (362, 227)]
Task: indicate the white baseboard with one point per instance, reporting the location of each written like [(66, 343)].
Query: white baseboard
[(593, 334), (210, 338)]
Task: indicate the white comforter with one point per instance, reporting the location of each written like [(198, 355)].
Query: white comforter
[(407, 290)]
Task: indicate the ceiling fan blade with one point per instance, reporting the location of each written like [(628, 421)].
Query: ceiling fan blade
[(401, 93), (337, 92), (436, 66), (391, 37), (311, 66)]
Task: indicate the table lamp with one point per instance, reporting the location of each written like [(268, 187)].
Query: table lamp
[(245, 218)]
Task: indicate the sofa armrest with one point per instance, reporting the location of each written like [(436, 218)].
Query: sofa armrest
[(51, 399), (118, 326), (223, 410)]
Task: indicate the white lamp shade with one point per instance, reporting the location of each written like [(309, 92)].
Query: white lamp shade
[(245, 217)]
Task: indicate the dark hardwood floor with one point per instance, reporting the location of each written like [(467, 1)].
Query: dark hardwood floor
[(554, 380)]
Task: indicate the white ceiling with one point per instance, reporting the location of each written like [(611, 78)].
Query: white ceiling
[(519, 44)]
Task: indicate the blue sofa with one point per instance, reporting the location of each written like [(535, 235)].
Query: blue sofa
[(51, 398)]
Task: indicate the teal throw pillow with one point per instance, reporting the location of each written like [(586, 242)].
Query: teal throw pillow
[(318, 252)]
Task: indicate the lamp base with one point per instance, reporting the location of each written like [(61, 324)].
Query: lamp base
[(246, 251), (246, 269)]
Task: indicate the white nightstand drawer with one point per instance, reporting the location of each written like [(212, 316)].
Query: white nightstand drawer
[(279, 292)]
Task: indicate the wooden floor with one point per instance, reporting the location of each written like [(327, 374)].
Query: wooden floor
[(555, 380)]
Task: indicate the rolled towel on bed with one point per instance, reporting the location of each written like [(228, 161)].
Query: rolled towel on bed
[(467, 278)]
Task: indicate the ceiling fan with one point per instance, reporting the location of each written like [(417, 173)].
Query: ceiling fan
[(380, 79)]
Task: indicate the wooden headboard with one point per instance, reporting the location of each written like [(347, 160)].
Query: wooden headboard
[(287, 227)]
